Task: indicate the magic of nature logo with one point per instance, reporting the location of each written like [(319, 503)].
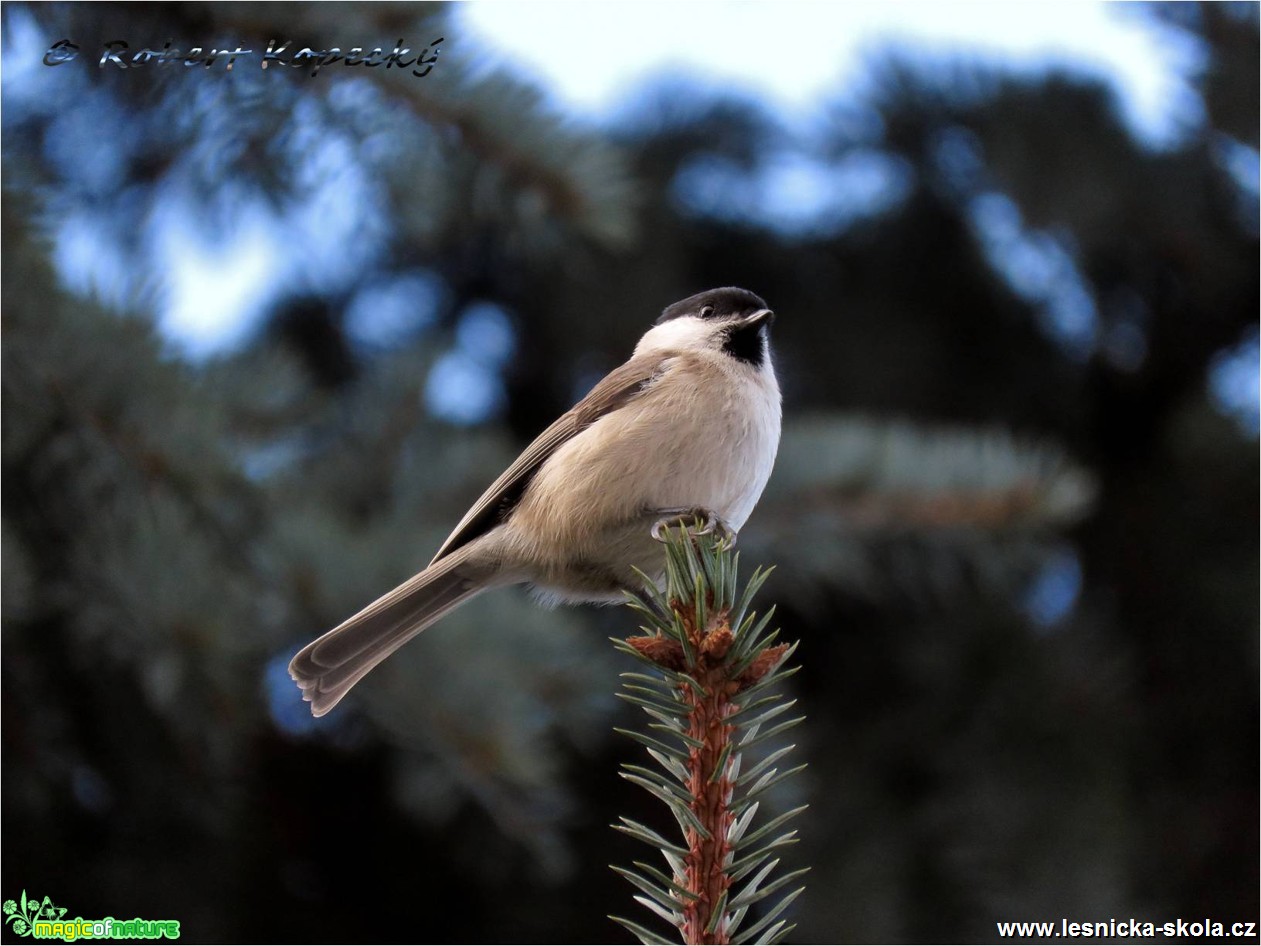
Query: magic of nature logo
[(43, 919)]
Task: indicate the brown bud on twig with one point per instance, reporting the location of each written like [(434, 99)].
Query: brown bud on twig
[(660, 650), (763, 664)]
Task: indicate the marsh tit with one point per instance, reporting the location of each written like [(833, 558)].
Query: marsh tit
[(689, 426)]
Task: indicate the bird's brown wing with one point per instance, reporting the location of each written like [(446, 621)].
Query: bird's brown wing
[(614, 390)]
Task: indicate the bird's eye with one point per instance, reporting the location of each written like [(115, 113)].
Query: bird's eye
[(707, 311)]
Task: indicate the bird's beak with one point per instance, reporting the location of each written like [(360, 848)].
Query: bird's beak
[(759, 318)]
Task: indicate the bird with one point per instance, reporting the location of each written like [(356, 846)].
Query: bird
[(685, 431)]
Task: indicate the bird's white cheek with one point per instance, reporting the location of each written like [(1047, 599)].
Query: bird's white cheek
[(677, 335)]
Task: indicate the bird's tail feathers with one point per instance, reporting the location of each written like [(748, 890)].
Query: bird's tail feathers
[(328, 667)]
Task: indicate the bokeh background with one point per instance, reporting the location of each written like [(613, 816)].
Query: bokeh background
[(265, 335)]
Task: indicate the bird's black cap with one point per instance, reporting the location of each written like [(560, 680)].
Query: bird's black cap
[(725, 302)]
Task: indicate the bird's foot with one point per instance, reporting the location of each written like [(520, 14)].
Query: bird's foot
[(697, 521)]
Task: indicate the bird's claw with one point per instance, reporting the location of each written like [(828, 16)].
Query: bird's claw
[(712, 524)]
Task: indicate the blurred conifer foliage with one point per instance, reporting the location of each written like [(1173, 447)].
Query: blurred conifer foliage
[(1015, 534)]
